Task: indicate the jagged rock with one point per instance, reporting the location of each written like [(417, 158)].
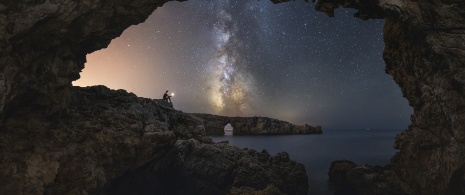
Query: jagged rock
[(269, 190), (337, 176), (425, 54), (348, 178), (44, 45), (81, 148), (198, 168), (88, 148), (214, 125)]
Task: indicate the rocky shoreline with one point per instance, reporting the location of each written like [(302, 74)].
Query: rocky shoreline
[(112, 142), (214, 125)]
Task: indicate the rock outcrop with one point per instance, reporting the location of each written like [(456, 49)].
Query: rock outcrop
[(425, 54), (214, 125), (43, 44), (348, 178), (112, 142)]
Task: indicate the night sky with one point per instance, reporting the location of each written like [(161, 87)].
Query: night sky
[(255, 58)]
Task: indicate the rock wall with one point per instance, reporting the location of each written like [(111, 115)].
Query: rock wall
[(214, 125), (112, 142), (425, 54), (44, 44)]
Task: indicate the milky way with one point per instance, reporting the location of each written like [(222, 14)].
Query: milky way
[(229, 84), (256, 58)]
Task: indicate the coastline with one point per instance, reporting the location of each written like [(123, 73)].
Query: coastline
[(215, 124)]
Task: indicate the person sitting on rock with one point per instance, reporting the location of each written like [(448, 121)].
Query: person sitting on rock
[(166, 97)]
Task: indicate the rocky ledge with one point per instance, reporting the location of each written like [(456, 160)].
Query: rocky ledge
[(112, 142), (214, 125)]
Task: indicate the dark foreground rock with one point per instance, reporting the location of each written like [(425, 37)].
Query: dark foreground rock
[(348, 178), (214, 125), (113, 142), (425, 54), (191, 167)]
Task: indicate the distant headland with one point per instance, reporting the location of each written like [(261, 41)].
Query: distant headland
[(214, 125)]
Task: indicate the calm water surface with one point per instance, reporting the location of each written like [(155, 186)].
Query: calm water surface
[(317, 152)]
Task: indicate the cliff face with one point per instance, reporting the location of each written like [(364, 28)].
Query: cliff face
[(44, 45), (214, 125), (112, 142), (425, 54)]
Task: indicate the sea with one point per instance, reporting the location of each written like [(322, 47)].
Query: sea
[(316, 152)]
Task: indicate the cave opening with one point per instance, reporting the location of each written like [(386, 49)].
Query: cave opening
[(248, 59), (254, 58), (228, 129)]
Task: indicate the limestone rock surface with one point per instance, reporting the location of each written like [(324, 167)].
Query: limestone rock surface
[(348, 178), (44, 43), (196, 168), (425, 54), (112, 142), (214, 125)]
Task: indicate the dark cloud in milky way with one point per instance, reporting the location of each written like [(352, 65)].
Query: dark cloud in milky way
[(230, 86)]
